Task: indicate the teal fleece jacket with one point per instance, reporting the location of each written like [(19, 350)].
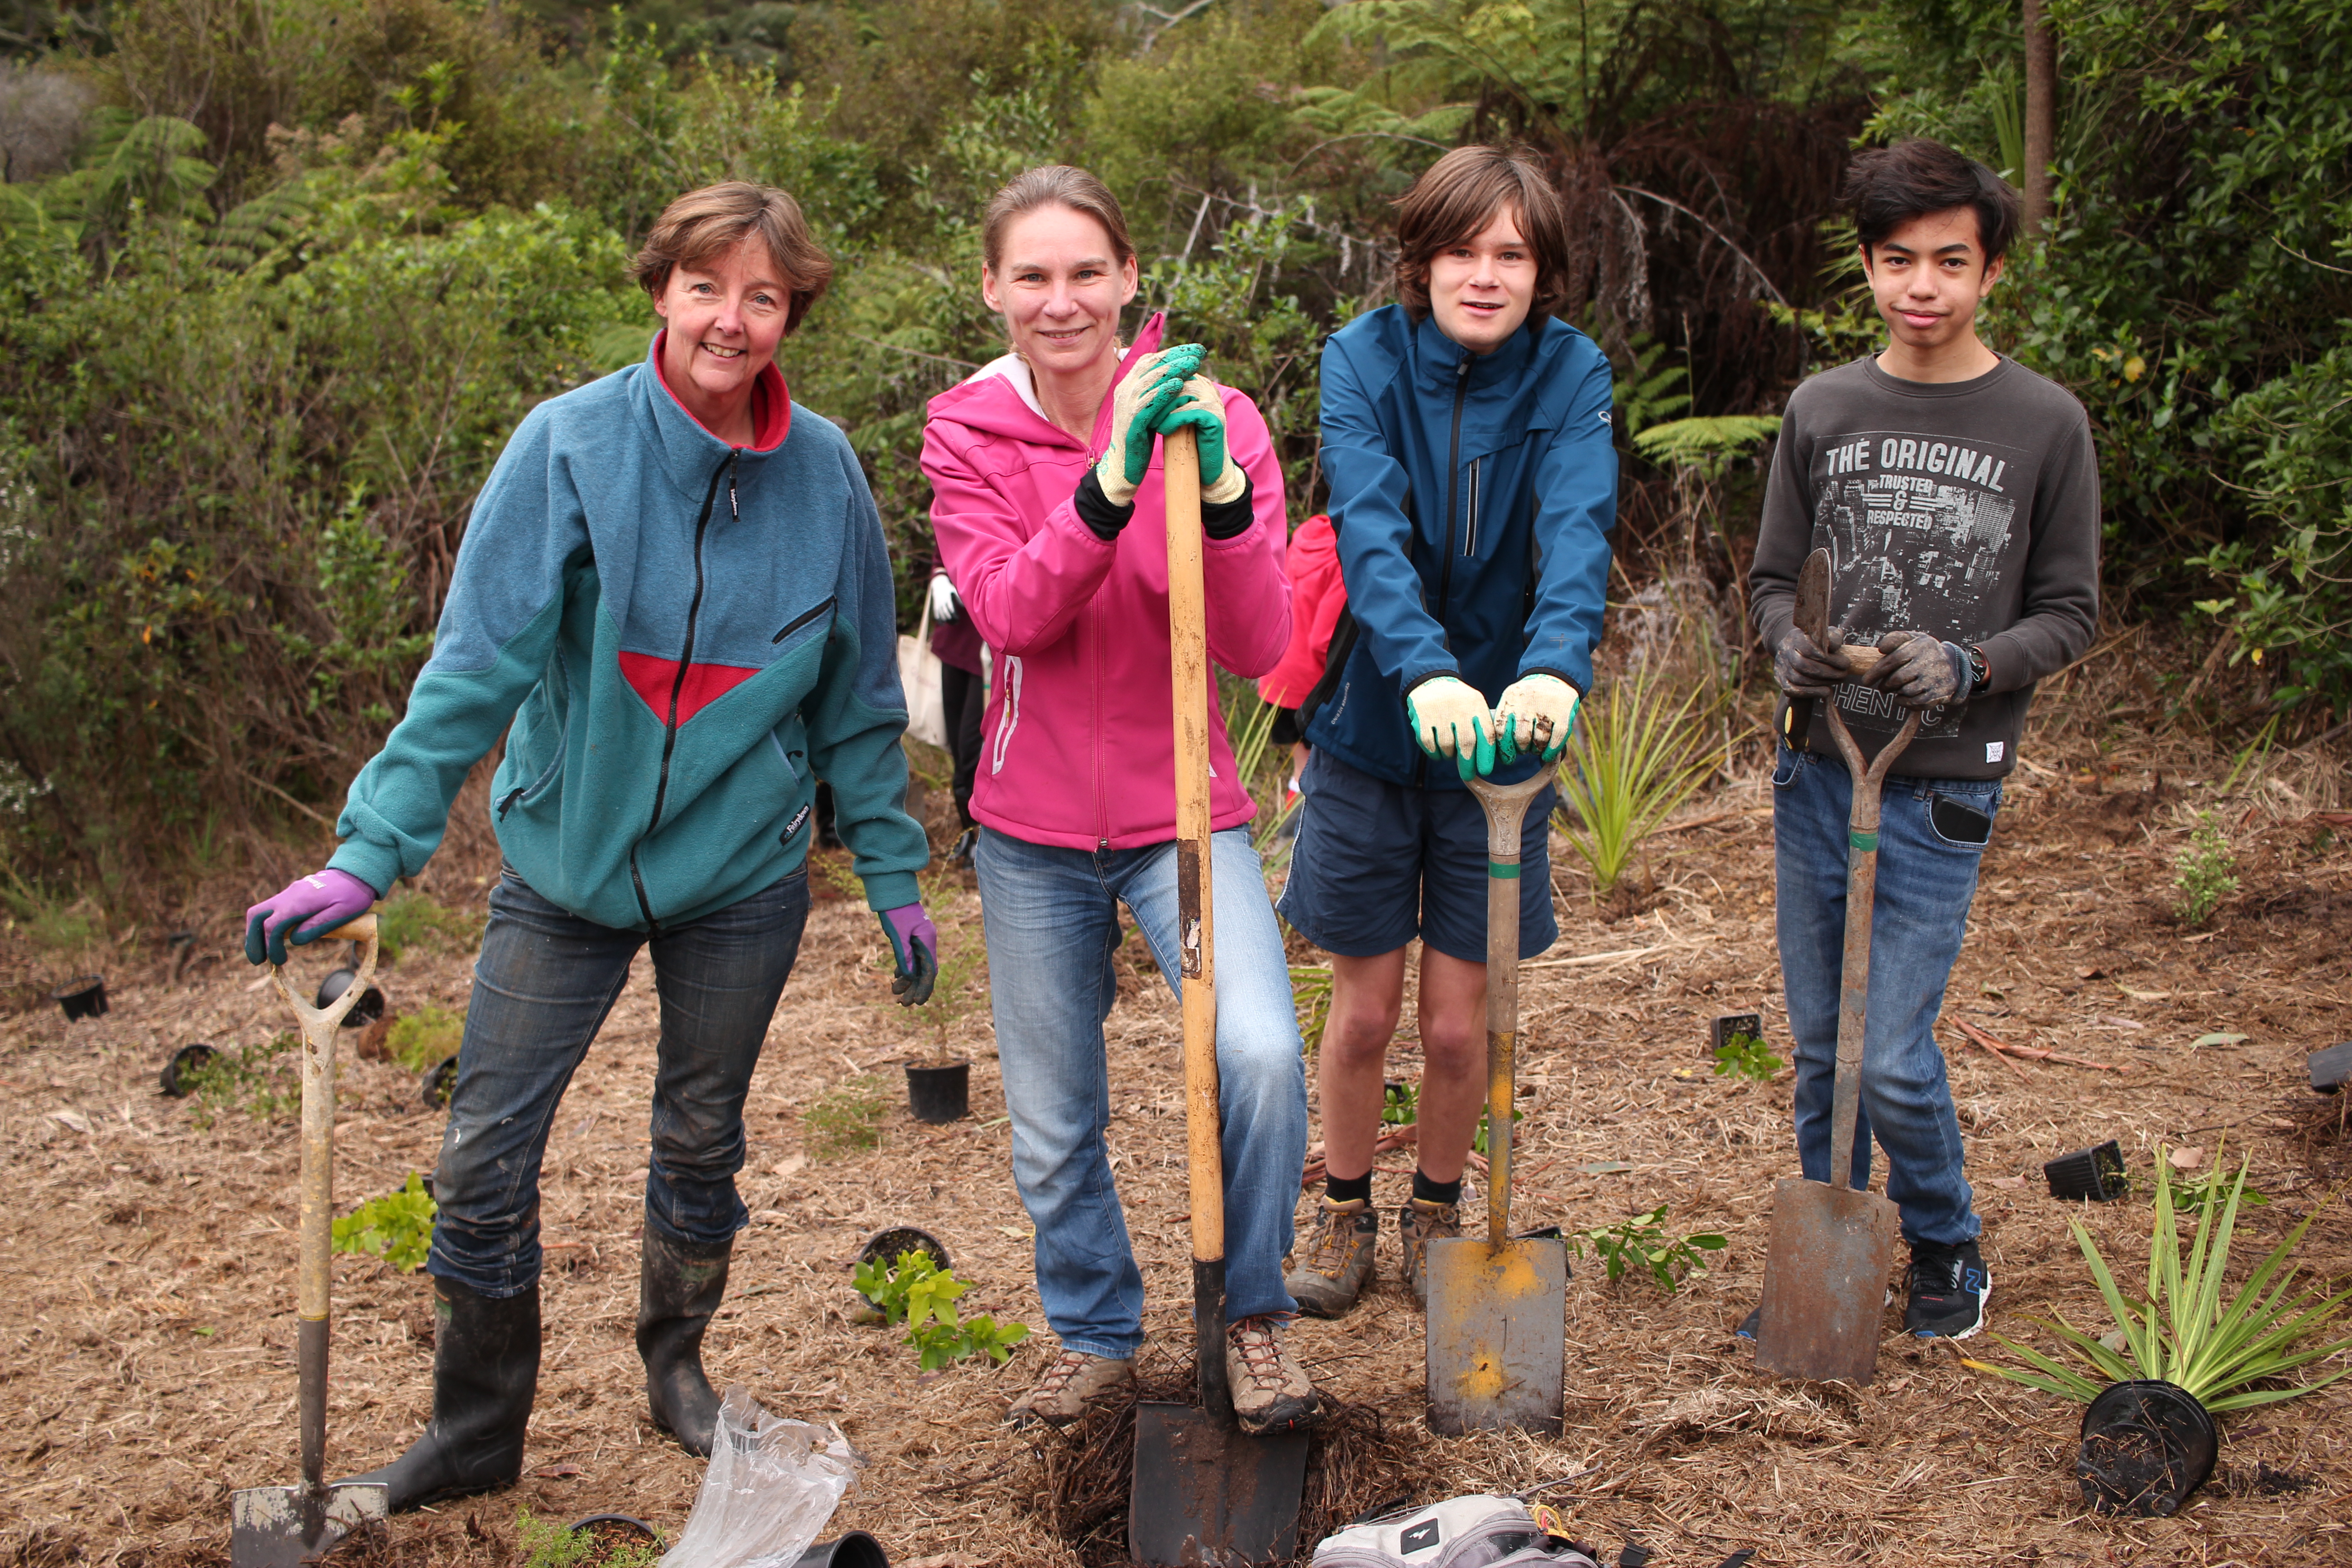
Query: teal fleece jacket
[(686, 636)]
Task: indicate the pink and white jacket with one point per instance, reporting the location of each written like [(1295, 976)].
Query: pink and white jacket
[(1078, 742)]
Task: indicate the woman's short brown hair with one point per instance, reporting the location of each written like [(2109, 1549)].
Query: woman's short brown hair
[(1458, 197), (1053, 185), (703, 224)]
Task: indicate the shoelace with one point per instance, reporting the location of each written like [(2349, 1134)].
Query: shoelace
[(1335, 1235), (1261, 1351), (1066, 1366)]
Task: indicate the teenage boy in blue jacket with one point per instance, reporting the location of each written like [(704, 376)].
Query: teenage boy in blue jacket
[(1467, 439)]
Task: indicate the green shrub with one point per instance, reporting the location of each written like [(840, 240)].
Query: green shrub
[(426, 1037), (396, 1227), (410, 920), (1745, 1056), (545, 1544), (915, 1290), (1641, 1245), (1637, 755), (263, 1081), (2202, 871), (847, 1118)]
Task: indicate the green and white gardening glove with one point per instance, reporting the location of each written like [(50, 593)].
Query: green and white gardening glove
[(1199, 408), (1536, 707), (1451, 720), (1135, 404)]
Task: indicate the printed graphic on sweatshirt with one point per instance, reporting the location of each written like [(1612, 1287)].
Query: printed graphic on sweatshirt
[(1916, 529)]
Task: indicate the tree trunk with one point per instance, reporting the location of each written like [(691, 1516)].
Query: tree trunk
[(2041, 113)]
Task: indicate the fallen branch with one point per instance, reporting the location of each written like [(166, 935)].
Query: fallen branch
[(2032, 1053), (1622, 955), (1984, 1043)]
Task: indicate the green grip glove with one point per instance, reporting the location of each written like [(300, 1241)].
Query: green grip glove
[(1135, 404), (1451, 720), (1536, 706), (1201, 408)]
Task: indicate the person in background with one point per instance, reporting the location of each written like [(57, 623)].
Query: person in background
[(1466, 435), (1051, 515), (1317, 594), (963, 692), (1957, 494), (675, 588)]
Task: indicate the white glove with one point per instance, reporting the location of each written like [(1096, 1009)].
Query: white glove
[(1451, 720), (1534, 707), (943, 597)]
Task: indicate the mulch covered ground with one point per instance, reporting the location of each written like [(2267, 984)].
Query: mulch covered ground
[(148, 1319)]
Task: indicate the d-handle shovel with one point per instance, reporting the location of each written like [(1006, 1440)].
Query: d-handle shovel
[(1205, 1492), (1496, 1306), (278, 1527), (1831, 1243)]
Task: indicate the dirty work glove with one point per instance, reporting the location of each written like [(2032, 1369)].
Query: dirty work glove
[(915, 944), (1532, 706), (1451, 720), (1805, 670), (1135, 404), (305, 910), (943, 597), (1918, 671), (1199, 407)]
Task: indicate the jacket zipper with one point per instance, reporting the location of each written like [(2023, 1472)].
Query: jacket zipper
[(1453, 502), (677, 683)]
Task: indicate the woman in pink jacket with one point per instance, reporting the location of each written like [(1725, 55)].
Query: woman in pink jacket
[(1051, 518)]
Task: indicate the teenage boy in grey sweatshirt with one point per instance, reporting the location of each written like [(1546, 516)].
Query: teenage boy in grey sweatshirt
[(1957, 494)]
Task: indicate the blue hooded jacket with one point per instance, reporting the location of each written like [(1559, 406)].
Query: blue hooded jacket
[(693, 633), (1473, 496)]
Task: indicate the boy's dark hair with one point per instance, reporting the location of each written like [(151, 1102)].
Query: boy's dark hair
[(1458, 197), (1886, 187)]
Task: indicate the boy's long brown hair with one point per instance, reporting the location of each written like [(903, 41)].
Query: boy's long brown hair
[(1458, 197)]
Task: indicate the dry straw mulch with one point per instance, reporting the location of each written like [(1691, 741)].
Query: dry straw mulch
[(149, 1330)]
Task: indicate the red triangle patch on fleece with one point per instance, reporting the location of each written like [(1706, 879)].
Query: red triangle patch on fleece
[(653, 678)]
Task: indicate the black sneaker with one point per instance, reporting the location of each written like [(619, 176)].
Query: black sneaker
[(1949, 1287)]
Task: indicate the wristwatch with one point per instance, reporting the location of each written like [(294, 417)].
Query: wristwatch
[(1980, 671)]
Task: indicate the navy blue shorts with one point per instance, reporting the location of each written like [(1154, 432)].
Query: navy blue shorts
[(1378, 864)]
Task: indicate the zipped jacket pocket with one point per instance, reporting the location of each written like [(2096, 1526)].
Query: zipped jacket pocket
[(804, 617)]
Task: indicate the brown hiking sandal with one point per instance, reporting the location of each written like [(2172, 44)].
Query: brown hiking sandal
[(1072, 1381), (1272, 1393), (1338, 1257), (1420, 1222)]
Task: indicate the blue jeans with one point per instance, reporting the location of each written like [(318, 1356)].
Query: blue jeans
[(1052, 918), (1926, 879), (541, 988)]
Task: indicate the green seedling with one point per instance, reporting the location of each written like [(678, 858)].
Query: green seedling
[(1310, 992), (396, 1227), (1478, 1140), (1401, 1106), (1640, 1243), (419, 1039), (1744, 1056), (2203, 871), (915, 1290), (847, 1118), (2196, 1195), (261, 1080), (547, 1544)]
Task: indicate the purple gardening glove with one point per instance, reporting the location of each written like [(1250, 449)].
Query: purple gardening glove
[(308, 908), (915, 944)]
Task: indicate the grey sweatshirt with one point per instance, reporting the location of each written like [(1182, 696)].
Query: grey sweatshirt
[(1968, 511)]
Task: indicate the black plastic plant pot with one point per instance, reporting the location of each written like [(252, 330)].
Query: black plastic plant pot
[(1727, 1024), (365, 1011), (2331, 1069), (2146, 1446), (856, 1550), (603, 1523), (180, 1071), (2097, 1173), (439, 1082), (941, 1093), (885, 1246), (82, 999)]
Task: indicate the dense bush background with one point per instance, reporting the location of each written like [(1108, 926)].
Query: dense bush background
[(275, 280)]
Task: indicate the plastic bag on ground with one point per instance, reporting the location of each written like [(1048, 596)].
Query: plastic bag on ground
[(771, 1485)]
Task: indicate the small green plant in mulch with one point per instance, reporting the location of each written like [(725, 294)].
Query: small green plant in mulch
[(547, 1544), (1478, 1139), (418, 1040), (913, 1289), (1310, 992), (2182, 1329), (1401, 1104), (1744, 1056), (2203, 871), (847, 1118), (1642, 1245), (1637, 755), (396, 1227), (411, 920), (263, 1081)]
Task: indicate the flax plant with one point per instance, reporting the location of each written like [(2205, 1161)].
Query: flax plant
[(2181, 1331), (1637, 755)]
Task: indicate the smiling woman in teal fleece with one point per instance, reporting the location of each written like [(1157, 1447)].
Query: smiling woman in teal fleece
[(675, 587)]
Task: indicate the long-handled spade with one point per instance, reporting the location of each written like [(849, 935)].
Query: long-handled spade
[(1496, 1343), (278, 1527), (1205, 1492), (1831, 1245)]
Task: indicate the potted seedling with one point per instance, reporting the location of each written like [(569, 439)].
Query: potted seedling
[(2184, 1352)]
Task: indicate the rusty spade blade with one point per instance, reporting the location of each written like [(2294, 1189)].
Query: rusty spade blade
[(1498, 1341)]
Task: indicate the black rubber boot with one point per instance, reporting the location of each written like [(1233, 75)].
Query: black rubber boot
[(484, 1372), (678, 1287)]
